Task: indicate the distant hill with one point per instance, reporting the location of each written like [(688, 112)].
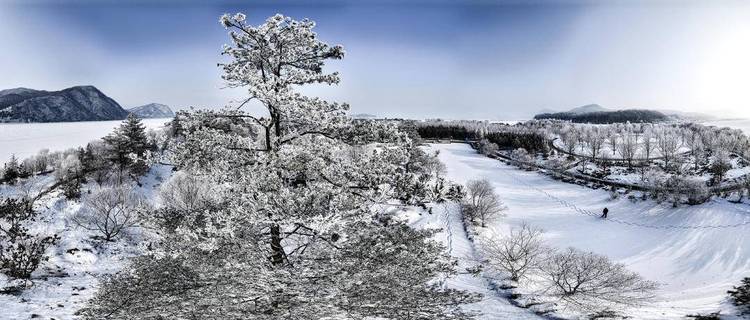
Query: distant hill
[(152, 110), (589, 108), (80, 103), (364, 116), (619, 116)]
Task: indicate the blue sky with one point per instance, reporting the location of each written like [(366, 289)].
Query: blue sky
[(439, 58)]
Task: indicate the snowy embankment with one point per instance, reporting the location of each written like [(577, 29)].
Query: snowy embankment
[(447, 217), (694, 262)]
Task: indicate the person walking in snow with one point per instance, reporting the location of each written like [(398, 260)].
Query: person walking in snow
[(604, 213)]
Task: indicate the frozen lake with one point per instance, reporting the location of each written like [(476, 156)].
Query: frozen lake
[(25, 139)]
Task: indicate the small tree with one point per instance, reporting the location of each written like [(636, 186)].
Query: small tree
[(21, 252), (482, 202), (487, 148), (587, 280), (11, 172), (127, 145), (517, 253), (628, 148), (110, 210), (719, 167)]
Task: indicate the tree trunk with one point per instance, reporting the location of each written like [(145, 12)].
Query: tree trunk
[(277, 251)]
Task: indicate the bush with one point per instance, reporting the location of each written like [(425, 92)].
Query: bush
[(185, 199), (740, 296), (110, 210), (20, 251)]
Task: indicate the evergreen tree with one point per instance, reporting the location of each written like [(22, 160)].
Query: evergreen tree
[(126, 147), (11, 170)]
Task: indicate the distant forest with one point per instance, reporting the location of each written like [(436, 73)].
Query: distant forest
[(603, 117)]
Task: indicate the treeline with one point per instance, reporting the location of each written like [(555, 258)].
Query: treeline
[(453, 132), (605, 117), (504, 136)]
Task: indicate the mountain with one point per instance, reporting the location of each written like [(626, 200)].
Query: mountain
[(80, 103), (589, 108), (152, 110)]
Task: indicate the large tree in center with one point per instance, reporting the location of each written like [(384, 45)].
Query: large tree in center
[(299, 227)]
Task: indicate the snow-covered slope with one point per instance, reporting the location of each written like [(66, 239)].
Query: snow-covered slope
[(152, 110), (63, 285), (695, 263)]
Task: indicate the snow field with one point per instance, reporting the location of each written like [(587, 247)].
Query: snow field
[(695, 266)]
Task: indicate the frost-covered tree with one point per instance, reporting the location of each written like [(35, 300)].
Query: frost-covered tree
[(69, 172), (487, 148), (613, 136), (628, 148), (720, 165), (590, 281), (481, 202), (110, 211), (595, 139), (517, 253), (647, 145), (299, 233), (570, 139), (668, 142)]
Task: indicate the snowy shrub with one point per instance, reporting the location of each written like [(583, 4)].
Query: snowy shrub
[(481, 202), (740, 296), (21, 251), (523, 157), (110, 210), (487, 148), (95, 163), (184, 197), (588, 280), (69, 172), (517, 253)]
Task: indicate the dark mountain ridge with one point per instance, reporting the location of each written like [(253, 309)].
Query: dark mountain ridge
[(79, 103)]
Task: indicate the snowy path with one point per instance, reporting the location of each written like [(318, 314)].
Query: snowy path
[(454, 237), (695, 266)]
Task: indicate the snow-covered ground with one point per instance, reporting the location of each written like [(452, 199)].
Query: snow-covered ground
[(26, 139), (494, 305), (696, 266)]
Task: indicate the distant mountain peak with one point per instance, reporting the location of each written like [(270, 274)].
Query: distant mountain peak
[(152, 110)]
